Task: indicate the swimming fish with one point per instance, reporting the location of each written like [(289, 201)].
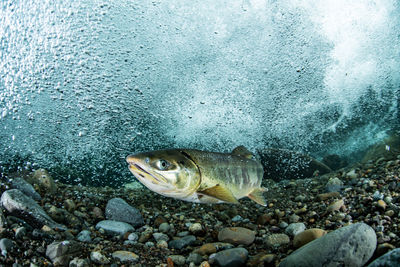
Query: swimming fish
[(200, 176)]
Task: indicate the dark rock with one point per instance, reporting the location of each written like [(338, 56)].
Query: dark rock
[(195, 258), (182, 242), (352, 245), (392, 258), (76, 262), (6, 245), (114, 227), (3, 221), (117, 209), (285, 164), (234, 257), (60, 253), (24, 207), (25, 187), (84, 236)]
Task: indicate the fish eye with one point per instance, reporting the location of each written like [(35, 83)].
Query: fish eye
[(162, 164)]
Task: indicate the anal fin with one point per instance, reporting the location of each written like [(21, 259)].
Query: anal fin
[(257, 196), (220, 192)]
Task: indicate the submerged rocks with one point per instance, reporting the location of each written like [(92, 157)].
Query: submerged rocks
[(182, 242), (114, 227), (25, 187), (392, 258), (236, 235), (24, 207), (45, 181), (352, 245), (234, 257), (117, 209), (307, 236), (60, 253)]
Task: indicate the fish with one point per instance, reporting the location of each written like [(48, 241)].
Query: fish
[(200, 176)]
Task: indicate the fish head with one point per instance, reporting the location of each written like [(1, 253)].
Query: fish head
[(171, 173)]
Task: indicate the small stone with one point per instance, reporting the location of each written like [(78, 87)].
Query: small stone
[(117, 209), (146, 235), (384, 248), (389, 213), (263, 219), (149, 244), (162, 244), (182, 242), (164, 227), (98, 257), (20, 232), (160, 236), (262, 259), (236, 235), (77, 262), (45, 181), (378, 195), (114, 228), (381, 204), (206, 249), (195, 258), (179, 260), (6, 245), (294, 218), (388, 199), (277, 240), (283, 225), (69, 205), (97, 213), (352, 174), (133, 237), (333, 185), (301, 210), (335, 206), (125, 256), (84, 236), (295, 228), (237, 218), (234, 257), (307, 236), (392, 258), (196, 228), (60, 253), (26, 188), (326, 196)]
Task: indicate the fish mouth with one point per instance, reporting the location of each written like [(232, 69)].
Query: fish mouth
[(139, 171)]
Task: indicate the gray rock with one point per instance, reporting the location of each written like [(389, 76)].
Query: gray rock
[(6, 245), (125, 256), (84, 236), (333, 185), (20, 232), (195, 258), (295, 228), (392, 258), (276, 240), (24, 207), (114, 227), (98, 257), (160, 236), (234, 257), (236, 235), (352, 245), (117, 209), (179, 260), (60, 253), (164, 227), (25, 187), (182, 242), (133, 237), (77, 262)]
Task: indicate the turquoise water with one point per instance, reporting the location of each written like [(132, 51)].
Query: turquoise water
[(85, 83)]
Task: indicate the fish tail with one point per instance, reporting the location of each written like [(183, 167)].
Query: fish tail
[(257, 196)]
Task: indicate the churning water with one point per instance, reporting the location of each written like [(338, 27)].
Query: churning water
[(85, 83)]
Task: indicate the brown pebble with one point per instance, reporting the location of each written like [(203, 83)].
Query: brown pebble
[(383, 249), (300, 211), (335, 206), (236, 235), (381, 204), (261, 259), (263, 219), (204, 264), (325, 196), (206, 249), (307, 236), (389, 213)]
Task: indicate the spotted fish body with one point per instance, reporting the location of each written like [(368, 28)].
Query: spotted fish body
[(200, 176)]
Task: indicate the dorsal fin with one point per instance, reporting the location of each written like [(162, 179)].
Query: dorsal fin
[(220, 192), (243, 152)]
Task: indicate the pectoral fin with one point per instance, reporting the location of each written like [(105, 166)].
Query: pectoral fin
[(257, 196), (221, 193)]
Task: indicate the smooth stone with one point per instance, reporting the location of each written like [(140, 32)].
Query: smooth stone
[(195, 258), (114, 227), (352, 245), (77, 262), (160, 236), (295, 228), (234, 257), (162, 244), (133, 237), (307, 236), (182, 242), (334, 185), (25, 187), (60, 253), (6, 245), (24, 207), (164, 227), (125, 256), (196, 228), (84, 236), (276, 240), (335, 206), (392, 258), (98, 257), (179, 260), (45, 181), (20, 232), (118, 210), (325, 196), (236, 235)]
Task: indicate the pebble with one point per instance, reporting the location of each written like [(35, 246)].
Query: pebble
[(125, 256), (234, 257), (160, 236), (69, 205), (335, 206), (334, 185), (326, 196), (307, 236), (149, 244), (352, 174), (117, 209), (276, 240), (178, 259), (392, 258), (6, 245), (381, 204), (378, 195), (20, 232), (294, 218), (195, 258), (295, 228), (352, 245), (45, 181), (77, 262), (98, 257), (182, 242), (164, 227), (24, 207), (60, 253), (196, 228), (237, 218), (114, 227), (162, 244), (262, 259), (133, 237), (236, 235), (26, 188), (84, 236), (146, 235)]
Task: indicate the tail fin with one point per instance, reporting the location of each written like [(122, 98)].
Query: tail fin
[(257, 196)]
